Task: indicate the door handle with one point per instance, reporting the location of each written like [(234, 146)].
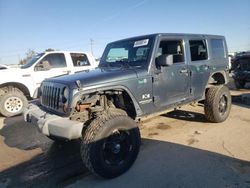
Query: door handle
[(67, 71), (183, 71), (205, 67)]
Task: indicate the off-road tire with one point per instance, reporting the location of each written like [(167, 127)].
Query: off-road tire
[(95, 139), (15, 94), (239, 84), (217, 104)]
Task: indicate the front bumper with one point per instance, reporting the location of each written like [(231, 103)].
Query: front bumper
[(53, 125)]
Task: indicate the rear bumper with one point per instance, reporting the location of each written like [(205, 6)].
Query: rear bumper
[(53, 125)]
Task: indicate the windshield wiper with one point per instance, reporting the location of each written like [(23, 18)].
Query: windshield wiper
[(104, 64), (123, 63), (126, 63), (120, 63)]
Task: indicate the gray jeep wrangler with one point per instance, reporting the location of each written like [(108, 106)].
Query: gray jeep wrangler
[(137, 78)]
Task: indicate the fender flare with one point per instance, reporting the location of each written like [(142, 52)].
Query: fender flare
[(79, 94), (221, 74)]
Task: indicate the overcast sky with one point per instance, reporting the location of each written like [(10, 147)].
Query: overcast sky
[(70, 24)]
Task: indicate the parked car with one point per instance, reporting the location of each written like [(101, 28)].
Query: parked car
[(3, 67), (17, 85), (137, 78), (241, 71)]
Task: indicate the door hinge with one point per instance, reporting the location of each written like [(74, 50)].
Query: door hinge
[(156, 98), (67, 72), (155, 79), (191, 91)]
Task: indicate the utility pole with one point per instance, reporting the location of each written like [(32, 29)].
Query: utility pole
[(19, 59), (91, 45)]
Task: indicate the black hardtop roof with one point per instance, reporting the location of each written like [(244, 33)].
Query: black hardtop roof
[(169, 34), (243, 56)]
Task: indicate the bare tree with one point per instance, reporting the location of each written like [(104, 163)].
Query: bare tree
[(29, 55)]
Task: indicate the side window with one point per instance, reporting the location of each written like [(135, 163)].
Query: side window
[(198, 50), (79, 59), (172, 47), (51, 61), (56, 60), (141, 53), (218, 49)]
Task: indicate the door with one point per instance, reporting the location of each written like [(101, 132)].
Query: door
[(52, 65), (172, 82), (199, 65)]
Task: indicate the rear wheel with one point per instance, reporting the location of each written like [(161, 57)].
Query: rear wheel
[(217, 104), (110, 145), (12, 102)]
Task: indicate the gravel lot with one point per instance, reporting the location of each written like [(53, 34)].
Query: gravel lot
[(179, 149)]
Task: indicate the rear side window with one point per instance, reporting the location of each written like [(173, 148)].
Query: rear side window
[(79, 59), (218, 49), (198, 50)]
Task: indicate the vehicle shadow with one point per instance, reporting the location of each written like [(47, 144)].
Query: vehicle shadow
[(47, 169), (187, 116), (242, 100), (159, 164), (25, 136), (57, 160)]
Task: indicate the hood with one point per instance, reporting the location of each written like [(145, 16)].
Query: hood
[(98, 76), (14, 72)]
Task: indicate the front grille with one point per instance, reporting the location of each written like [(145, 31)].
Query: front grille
[(51, 96)]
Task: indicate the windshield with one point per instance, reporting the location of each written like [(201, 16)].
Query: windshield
[(130, 53), (32, 61)]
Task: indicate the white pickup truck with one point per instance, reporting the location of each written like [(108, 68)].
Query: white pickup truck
[(18, 85)]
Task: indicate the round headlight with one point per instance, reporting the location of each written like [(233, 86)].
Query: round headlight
[(40, 89), (66, 92)]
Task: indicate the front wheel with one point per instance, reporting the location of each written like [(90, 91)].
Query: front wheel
[(110, 145), (12, 103), (217, 104)]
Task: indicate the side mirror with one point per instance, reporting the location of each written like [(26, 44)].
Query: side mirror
[(164, 60)]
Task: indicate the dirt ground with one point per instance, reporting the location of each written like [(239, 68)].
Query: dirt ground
[(179, 149)]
